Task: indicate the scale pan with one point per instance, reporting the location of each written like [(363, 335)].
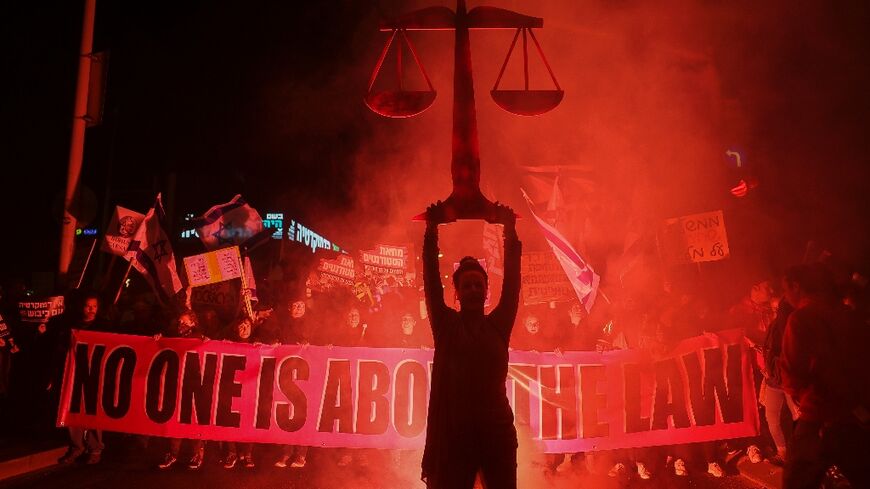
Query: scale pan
[(527, 102), (399, 104)]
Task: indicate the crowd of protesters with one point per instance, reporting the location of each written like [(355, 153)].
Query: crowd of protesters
[(809, 327)]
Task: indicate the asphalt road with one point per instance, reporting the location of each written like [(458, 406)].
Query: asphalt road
[(134, 468)]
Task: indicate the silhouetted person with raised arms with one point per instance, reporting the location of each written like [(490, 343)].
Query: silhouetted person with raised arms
[(470, 423)]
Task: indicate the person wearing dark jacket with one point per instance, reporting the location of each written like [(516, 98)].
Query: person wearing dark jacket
[(186, 326), (288, 328), (239, 331), (470, 423), (84, 316), (824, 370), (772, 396)]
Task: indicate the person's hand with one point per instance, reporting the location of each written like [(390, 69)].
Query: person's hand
[(157, 336), (41, 328), (558, 352), (205, 339), (2, 342), (436, 214), (504, 215)]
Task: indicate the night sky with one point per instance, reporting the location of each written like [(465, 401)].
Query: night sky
[(265, 99)]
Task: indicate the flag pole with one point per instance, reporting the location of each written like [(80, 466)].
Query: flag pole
[(77, 142), (246, 293), (123, 281), (87, 262)]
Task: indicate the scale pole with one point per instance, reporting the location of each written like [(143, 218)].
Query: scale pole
[(465, 167)]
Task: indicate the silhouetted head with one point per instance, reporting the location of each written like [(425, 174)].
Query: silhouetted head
[(471, 282), (808, 280)]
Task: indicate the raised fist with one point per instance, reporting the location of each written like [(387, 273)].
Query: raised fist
[(436, 214), (504, 215)]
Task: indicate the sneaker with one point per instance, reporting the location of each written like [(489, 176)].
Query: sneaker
[(247, 462), (680, 468), (616, 470), (168, 461), (714, 469), (754, 454), (566, 463), (282, 462), (195, 461), (230, 461), (71, 455), (345, 460), (298, 463), (643, 472), (93, 458)]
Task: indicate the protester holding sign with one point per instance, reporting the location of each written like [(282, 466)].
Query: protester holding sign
[(470, 422), (186, 326), (240, 331), (82, 439), (288, 327)]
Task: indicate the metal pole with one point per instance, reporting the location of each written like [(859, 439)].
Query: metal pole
[(87, 262), (77, 143), (123, 281)]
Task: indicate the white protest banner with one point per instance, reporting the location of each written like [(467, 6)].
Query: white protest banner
[(544, 279), (388, 261), (695, 238), (214, 266), (121, 230), (42, 310), (339, 271)]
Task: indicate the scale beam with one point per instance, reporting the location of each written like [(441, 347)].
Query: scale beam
[(444, 19)]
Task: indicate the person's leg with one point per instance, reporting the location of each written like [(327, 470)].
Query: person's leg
[(197, 454), (498, 458), (246, 449), (849, 449), (94, 441), (804, 467), (94, 444), (174, 446), (76, 445), (232, 454), (773, 403), (77, 439), (460, 476)]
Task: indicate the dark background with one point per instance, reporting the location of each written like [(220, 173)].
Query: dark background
[(209, 99)]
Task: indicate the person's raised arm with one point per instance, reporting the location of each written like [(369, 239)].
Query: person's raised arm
[(432, 286), (505, 312)]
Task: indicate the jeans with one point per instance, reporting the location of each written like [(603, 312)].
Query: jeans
[(175, 446), (773, 400), (83, 438)]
